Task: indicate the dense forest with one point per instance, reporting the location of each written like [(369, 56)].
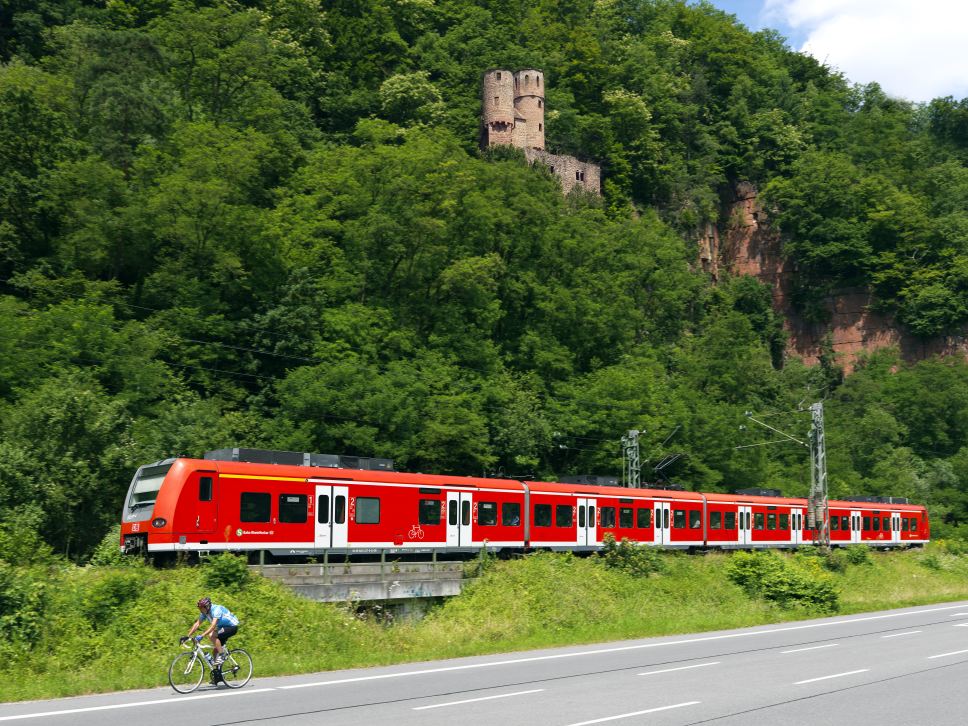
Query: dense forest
[(268, 223)]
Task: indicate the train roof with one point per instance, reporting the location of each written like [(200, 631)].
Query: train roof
[(309, 473), (608, 491)]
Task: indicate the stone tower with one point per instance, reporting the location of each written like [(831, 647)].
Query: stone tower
[(498, 108), (529, 108)]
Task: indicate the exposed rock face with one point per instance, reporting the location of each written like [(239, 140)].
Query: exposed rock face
[(751, 247)]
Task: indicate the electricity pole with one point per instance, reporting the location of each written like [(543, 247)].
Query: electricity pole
[(817, 504), (632, 469), (817, 518)]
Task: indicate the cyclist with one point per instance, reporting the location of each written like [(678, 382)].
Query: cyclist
[(223, 626)]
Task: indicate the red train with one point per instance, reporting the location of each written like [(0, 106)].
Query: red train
[(307, 505)]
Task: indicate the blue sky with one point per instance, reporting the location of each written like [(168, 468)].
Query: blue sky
[(915, 50)]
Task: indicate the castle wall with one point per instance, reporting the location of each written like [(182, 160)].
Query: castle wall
[(571, 171)]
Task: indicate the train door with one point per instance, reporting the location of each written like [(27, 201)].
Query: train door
[(331, 517), (663, 525), (855, 522), (459, 510), (745, 525), (895, 527), (796, 526), (587, 525), (207, 508)]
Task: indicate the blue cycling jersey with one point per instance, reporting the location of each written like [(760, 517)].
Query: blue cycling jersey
[(220, 614)]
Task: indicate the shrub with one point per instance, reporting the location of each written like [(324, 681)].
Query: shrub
[(226, 571), (782, 580), (111, 593), (630, 557), (836, 561), (858, 554), (108, 552)]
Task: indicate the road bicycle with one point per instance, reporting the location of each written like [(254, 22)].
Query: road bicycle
[(187, 670)]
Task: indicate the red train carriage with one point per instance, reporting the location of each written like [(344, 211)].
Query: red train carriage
[(293, 504)]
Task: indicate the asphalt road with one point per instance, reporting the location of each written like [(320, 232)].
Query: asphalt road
[(894, 667)]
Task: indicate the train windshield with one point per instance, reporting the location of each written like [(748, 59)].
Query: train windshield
[(144, 489)]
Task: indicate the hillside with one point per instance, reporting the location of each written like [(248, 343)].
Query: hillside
[(269, 224)]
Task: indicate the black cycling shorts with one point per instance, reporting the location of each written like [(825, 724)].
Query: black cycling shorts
[(224, 633)]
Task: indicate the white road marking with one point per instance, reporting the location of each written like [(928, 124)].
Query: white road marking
[(634, 713), (473, 700), (898, 635), (942, 655), (681, 668), (960, 625), (957, 615), (835, 675), (603, 651), (812, 647), (111, 707)]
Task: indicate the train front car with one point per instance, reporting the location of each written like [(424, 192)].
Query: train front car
[(143, 518)]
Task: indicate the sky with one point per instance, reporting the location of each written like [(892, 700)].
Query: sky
[(913, 49)]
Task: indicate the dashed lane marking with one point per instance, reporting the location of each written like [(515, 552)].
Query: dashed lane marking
[(634, 713), (159, 702), (835, 675), (812, 647), (474, 700), (898, 635), (680, 668)]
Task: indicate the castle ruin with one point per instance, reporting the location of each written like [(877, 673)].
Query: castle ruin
[(513, 115)]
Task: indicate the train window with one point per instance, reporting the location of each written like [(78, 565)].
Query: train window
[(886, 524), (452, 513), (758, 520), (322, 509), (867, 522), (715, 520), (625, 517), (845, 523), (542, 515), (339, 509), (771, 521), (429, 511), (511, 514), (904, 524), (877, 524), (695, 519), (608, 516), (205, 489), (465, 513), (292, 508), (255, 507), (678, 518), (730, 520), (591, 515), (834, 523), (367, 510), (784, 521), (487, 513), (581, 516), (643, 518), (564, 516)]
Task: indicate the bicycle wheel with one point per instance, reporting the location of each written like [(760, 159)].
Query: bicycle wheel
[(237, 669), (186, 672)]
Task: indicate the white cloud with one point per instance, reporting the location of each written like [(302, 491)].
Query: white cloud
[(916, 50)]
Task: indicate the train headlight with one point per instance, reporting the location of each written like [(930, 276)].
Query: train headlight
[(159, 522)]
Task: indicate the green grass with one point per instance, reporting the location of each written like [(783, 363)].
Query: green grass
[(98, 629)]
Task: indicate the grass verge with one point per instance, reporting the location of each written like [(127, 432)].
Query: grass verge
[(67, 630)]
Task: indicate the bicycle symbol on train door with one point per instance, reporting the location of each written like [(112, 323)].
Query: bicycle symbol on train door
[(416, 532)]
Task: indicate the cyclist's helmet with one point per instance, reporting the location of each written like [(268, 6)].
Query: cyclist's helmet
[(205, 603)]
